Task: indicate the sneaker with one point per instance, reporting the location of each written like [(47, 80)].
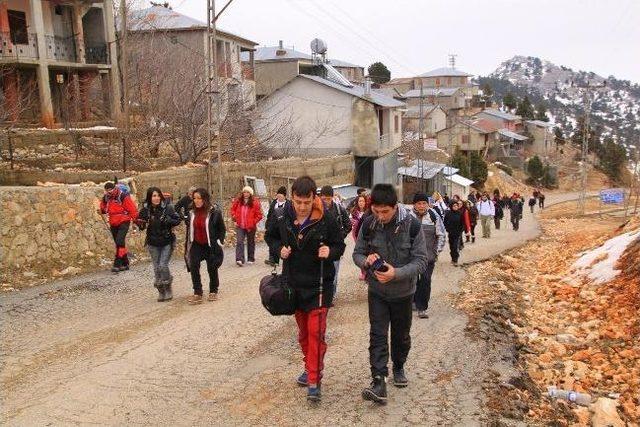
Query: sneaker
[(239, 263), (313, 393), (194, 299), (377, 391), (250, 262), (124, 268), (303, 379), (422, 314), (399, 379), (213, 296)]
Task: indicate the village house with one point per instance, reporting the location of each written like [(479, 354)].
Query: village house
[(476, 134), (542, 143), (420, 176), (314, 116), (277, 65), (59, 61), (443, 78), (172, 34), (448, 98), (434, 119), (502, 119)]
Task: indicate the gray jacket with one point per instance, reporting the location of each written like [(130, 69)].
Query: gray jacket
[(434, 233), (393, 243)]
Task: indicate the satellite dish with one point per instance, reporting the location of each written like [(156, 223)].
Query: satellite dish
[(318, 46)]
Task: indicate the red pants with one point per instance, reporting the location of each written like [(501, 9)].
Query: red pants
[(311, 329)]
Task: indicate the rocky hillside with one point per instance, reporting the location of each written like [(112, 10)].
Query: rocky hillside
[(615, 109)]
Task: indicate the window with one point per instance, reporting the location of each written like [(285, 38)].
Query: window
[(465, 139), (449, 81), (18, 27), (396, 124)]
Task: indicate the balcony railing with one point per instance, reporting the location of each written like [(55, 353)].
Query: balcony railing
[(27, 48), (61, 48), (96, 53)]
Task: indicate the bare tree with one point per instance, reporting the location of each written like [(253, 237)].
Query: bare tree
[(18, 101)]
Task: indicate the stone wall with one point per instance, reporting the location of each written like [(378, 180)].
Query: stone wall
[(46, 229)]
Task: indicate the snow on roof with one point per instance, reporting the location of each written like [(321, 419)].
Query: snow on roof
[(459, 179), (500, 114), (162, 18), (541, 123), (599, 264), (421, 169), (509, 134), (270, 53), (357, 91), (448, 170), (445, 72)]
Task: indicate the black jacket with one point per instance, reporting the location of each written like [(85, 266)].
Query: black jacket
[(183, 206), (453, 222), (216, 232), (302, 268), (274, 213), (159, 222), (342, 218)]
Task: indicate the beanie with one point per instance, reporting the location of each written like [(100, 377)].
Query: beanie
[(282, 190), (248, 190), (420, 197)]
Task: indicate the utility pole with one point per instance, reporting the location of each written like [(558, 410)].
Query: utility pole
[(125, 78), (421, 136), (585, 143)]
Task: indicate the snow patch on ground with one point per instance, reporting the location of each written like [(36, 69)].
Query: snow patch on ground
[(599, 264)]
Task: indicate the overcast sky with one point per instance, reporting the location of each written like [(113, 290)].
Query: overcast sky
[(414, 36)]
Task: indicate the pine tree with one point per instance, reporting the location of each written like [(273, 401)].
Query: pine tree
[(487, 90), (459, 161), (509, 101), (612, 157), (558, 135), (525, 109), (379, 72), (541, 112), (535, 169), (479, 169)]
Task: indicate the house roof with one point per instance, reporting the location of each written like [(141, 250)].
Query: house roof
[(269, 53), (509, 134), (390, 91), (445, 72), (541, 123), (430, 91), (459, 179), (500, 114), (421, 169), (357, 91), (161, 18), (414, 111), (480, 125), (448, 170), (400, 80)]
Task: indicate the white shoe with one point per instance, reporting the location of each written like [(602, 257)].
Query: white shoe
[(239, 263), (250, 262)]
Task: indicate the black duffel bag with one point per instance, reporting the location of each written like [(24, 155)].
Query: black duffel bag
[(276, 295)]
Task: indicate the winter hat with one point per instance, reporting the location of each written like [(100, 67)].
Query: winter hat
[(282, 190), (420, 197), (248, 189)]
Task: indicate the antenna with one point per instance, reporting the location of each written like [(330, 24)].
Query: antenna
[(452, 60)]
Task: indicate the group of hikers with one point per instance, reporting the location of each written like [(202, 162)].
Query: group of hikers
[(396, 249)]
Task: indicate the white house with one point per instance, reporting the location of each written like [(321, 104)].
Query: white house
[(312, 116)]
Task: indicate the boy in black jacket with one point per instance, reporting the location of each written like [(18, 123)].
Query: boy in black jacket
[(309, 241)]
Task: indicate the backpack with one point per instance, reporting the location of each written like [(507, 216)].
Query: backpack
[(124, 192), (275, 293)]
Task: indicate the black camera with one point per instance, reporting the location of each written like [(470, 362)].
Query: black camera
[(379, 265)]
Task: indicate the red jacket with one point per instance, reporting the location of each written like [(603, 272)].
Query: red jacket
[(252, 217), (466, 220), (120, 209)]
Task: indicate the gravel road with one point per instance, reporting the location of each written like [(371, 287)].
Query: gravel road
[(98, 349)]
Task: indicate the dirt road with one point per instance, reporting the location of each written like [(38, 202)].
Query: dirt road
[(98, 349)]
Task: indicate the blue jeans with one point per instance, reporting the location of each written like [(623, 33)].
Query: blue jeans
[(336, 265), (160, 257)]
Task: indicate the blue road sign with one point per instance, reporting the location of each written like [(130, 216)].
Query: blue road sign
[(612, 196)]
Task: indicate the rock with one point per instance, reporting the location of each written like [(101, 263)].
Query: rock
[(70, 270), (605, 413), (29, 274), (583, 415), (89, 253), (566, 338)]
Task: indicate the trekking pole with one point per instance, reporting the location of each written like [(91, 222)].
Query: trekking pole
[(320, 301)]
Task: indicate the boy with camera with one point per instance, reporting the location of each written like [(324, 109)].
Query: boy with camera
[(391, 250)]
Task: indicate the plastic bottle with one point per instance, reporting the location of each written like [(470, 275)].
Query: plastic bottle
[(569, 395)]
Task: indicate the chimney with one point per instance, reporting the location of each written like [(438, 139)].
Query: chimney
[(367, 86), (281, 51)]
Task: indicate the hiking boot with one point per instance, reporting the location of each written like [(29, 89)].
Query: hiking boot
[(160, 292), (303, 379), (194, 299), (239, 263), (213, 296), (377, 391), (313, 393), (399, 379), (473, 239), (422, 314), (168, 293), (116, 265)]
